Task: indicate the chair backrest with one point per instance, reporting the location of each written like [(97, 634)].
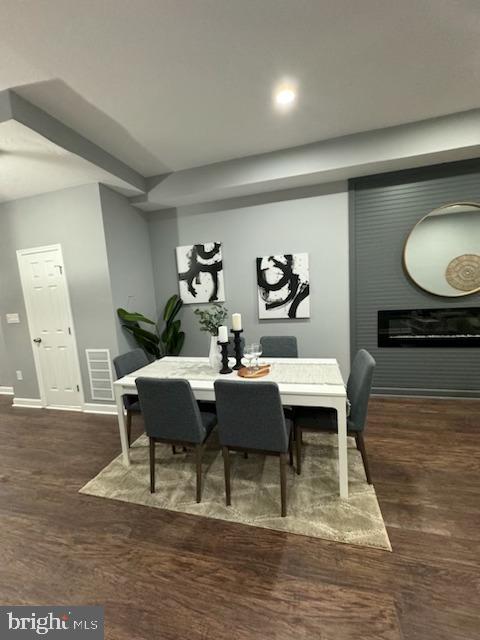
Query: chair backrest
[(127, 363), (130, 361), (359, 387), (170, 410), (279, 346), (250, 415), (231, 346)]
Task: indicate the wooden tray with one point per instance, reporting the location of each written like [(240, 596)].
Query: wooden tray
[(262, 371)]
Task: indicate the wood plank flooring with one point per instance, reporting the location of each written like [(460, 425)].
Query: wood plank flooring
[(169, 576)]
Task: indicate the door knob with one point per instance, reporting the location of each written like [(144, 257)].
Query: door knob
[(37, 340)]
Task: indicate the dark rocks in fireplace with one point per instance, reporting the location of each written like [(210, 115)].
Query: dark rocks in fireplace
[(449, 327)]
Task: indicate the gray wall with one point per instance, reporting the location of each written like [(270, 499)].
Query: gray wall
[(257, 226), (72, 218), (383, 211), (5, 373), (129, 260)]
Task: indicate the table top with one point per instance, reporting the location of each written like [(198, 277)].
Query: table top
[(294, 376)]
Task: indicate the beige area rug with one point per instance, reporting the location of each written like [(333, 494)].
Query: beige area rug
[(314, 506)]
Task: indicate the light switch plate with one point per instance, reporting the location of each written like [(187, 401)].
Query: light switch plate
[(13, 318)]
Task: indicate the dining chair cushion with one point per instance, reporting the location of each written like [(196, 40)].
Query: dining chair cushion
[(250, 415), (358, 394), (279, 346), (128, 363), (359, 387), (171, 412)]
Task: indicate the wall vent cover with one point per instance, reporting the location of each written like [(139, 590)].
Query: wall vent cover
[(100, 374)]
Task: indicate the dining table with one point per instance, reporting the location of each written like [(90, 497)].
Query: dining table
[(305, 382)]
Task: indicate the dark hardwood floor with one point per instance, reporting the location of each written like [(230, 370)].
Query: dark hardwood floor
[(164, 575)]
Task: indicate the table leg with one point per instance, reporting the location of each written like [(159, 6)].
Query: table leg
[(342, 448), (122, 427)]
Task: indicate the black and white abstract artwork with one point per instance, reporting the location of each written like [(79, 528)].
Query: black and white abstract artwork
[(283, 286), (200, 273)]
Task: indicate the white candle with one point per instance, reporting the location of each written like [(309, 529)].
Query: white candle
[(222, 334), (237, 321)]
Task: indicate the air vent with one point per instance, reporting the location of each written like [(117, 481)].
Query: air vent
[(100, 374)]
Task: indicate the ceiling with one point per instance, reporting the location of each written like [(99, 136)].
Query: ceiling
[(30, 164), (167, 84)]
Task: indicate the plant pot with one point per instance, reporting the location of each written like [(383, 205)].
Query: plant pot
[(214, 355)]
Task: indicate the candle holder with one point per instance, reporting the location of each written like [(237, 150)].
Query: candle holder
[(238, 349), (224, 347)]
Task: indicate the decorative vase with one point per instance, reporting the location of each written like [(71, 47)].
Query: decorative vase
[(214, 355)]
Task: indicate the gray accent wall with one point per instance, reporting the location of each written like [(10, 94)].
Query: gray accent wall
[(129, 260), (72, 218), (383, 211), (313, 220)]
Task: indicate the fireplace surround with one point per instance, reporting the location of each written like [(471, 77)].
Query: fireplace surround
[(426, 328)]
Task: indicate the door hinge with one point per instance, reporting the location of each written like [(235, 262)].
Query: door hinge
[(78, 387), (69, 331)]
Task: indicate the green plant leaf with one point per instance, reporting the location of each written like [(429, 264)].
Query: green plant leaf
[(170, 306), (148, 346), (178, 306), (145, 335), (177, 347), (133, 316)]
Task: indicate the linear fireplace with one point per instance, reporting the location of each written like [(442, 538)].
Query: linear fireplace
[(452, 327)]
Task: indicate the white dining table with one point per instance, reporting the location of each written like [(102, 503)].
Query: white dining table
[(306, 382)]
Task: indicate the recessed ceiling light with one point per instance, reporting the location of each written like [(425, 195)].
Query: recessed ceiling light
[(285, 96)]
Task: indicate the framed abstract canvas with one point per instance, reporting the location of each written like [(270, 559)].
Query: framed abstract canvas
[(283, 286), (200, 273)]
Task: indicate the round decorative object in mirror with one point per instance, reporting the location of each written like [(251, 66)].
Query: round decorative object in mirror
[(442, 252)]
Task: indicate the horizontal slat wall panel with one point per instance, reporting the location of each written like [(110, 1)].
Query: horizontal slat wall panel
[(383, 211)]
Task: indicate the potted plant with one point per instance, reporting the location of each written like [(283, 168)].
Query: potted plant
[(210, 319), (169, 342)]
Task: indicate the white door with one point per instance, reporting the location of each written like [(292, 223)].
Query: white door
[(50, 323)]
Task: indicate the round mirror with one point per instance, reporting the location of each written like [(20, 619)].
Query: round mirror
[(442, 252)]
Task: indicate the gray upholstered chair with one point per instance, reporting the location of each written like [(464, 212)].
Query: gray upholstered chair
[(250, 418), (279, 346), (171, 415), (358, 392), (125, 364)]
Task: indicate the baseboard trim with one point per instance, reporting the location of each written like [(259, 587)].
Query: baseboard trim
[(88, 407), (63, 408), (29, 403), (103, 409), (6, 391), (438, 394)]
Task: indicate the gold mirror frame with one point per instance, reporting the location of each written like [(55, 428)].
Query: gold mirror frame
[(444, 206)]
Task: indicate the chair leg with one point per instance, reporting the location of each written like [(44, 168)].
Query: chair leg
[(198, 456), (226, 468), (152, 465), (283, 483), (361, 446), (290, 448), (298, 445), (129, 426)]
